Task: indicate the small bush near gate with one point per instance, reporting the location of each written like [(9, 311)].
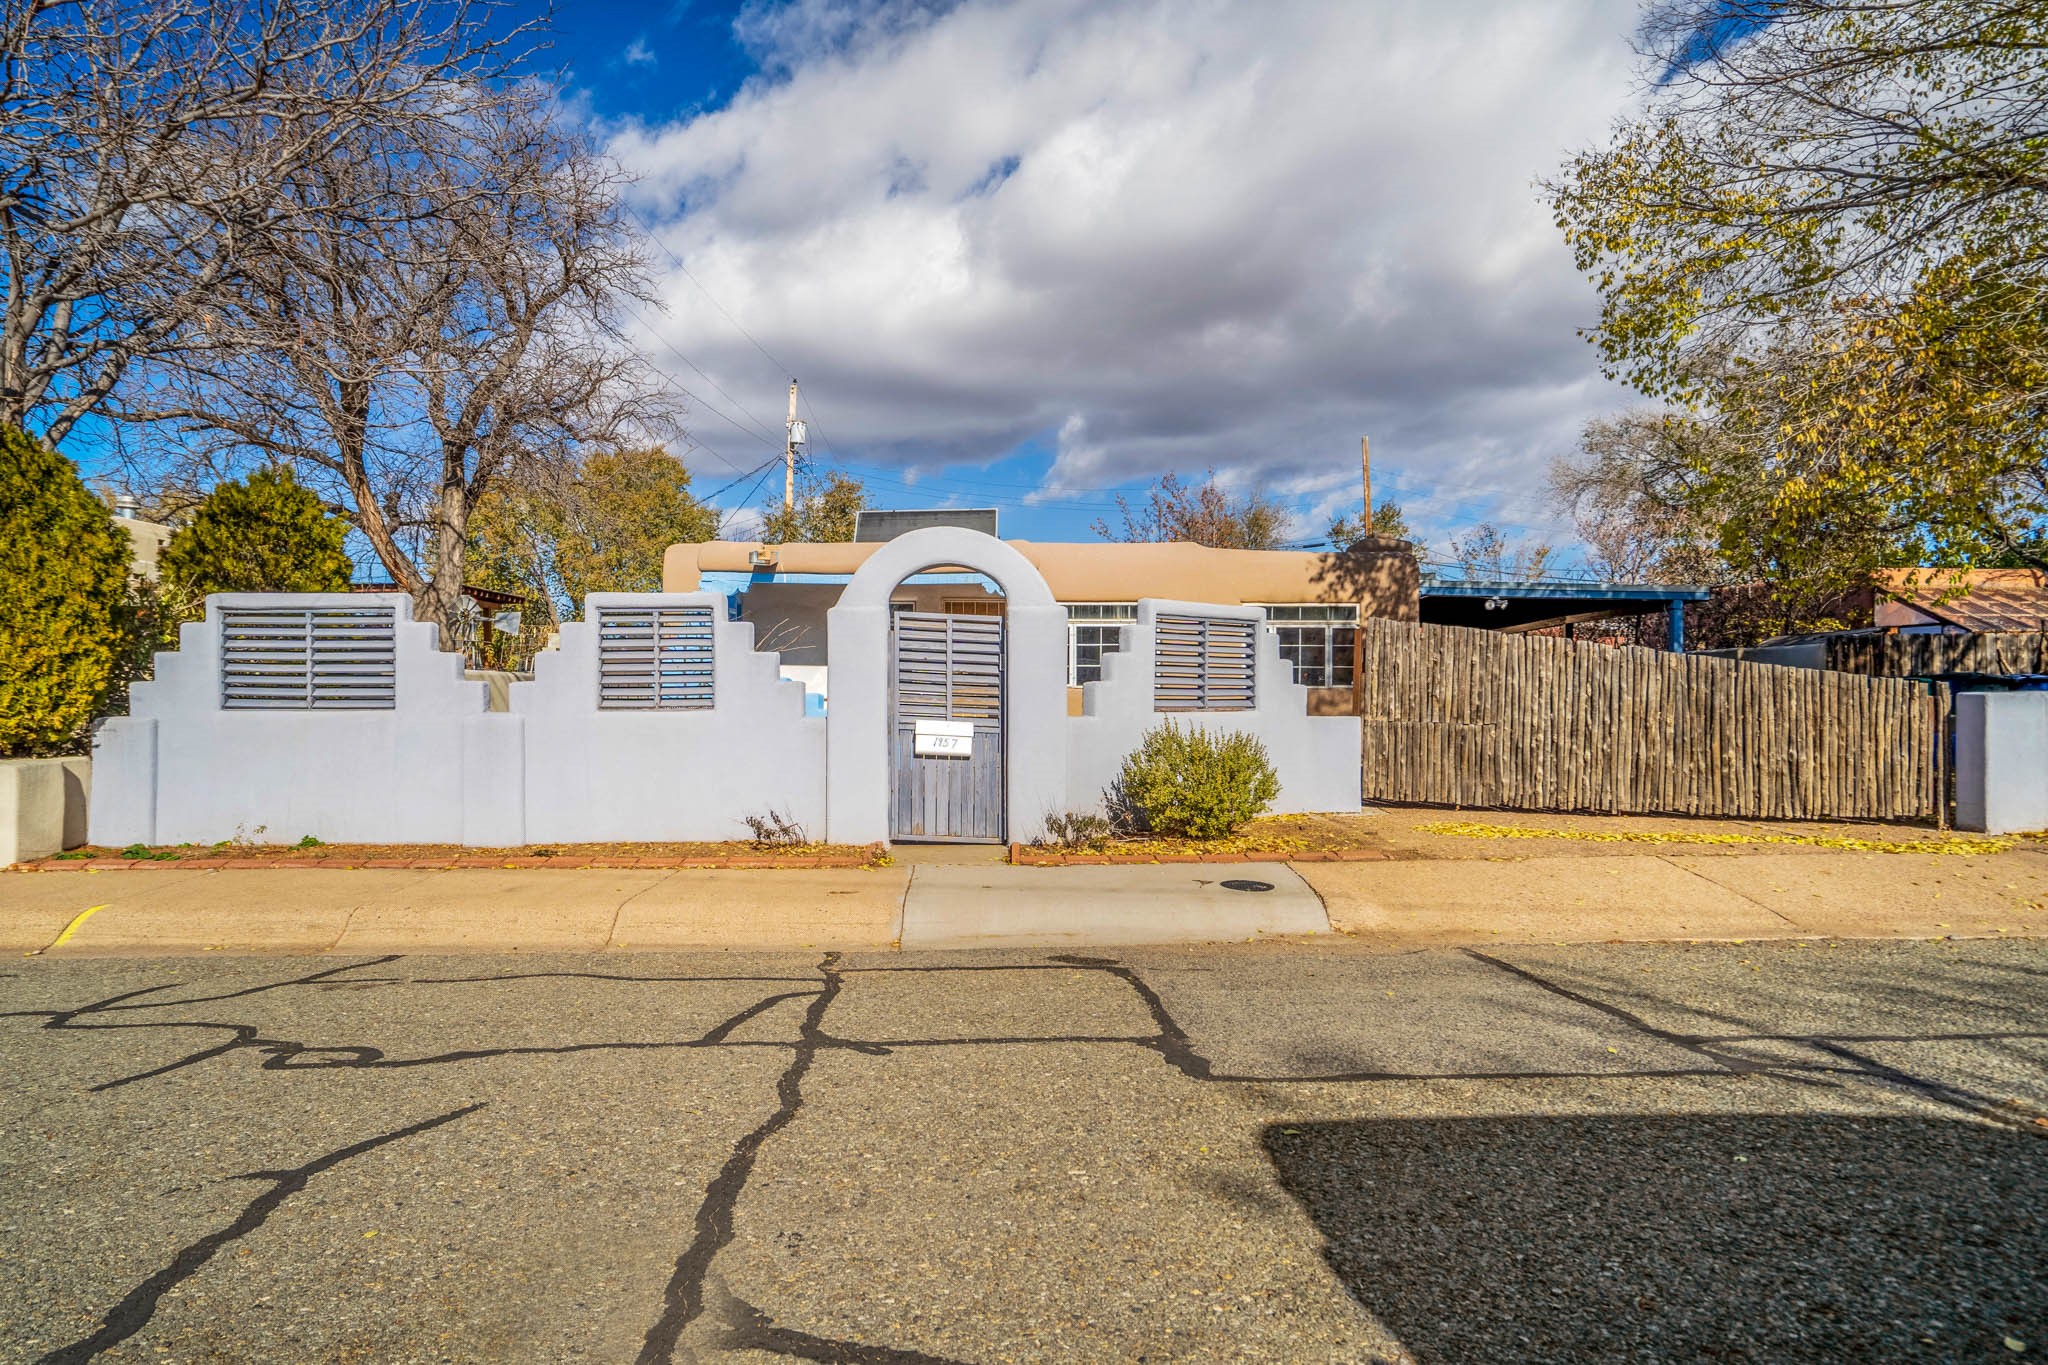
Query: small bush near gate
[(1192, 784), (1075, 829), (774, 829)]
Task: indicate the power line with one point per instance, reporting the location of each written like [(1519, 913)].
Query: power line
[(760, 469), (749, 498), (669, 251), (683, 389)]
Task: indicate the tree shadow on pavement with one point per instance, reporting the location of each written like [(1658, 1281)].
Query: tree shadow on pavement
[(1756, 1237)]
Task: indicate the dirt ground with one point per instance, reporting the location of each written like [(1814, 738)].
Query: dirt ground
[(346, 854), (1401, 832), (1431, 832)]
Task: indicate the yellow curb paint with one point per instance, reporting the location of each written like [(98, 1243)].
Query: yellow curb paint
[(76, 920)]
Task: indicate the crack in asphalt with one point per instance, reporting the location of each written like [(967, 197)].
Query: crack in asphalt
[(684, 1299), (133, 1312)]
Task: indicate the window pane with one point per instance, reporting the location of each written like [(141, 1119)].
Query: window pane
[(1291, 646), (1314, 670), (1343, 640), (1089, 644)]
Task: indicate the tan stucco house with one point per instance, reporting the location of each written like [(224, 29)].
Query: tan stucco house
[(1313, 599)]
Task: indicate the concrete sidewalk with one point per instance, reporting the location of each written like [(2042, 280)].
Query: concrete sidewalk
[(999, 906), (1639, 894), (1649, 894)]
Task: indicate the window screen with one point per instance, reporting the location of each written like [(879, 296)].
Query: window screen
[(1202, 663), (308, 659), (654, 659)]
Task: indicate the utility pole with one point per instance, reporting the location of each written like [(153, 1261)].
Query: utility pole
[(1365, 463), (789, 444)]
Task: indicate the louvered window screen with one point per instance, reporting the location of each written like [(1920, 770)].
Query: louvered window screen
[(654, 659), (308, 659), (1203, 663), (949, 667)]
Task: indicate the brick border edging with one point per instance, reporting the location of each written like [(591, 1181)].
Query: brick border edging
[(874, 857), (1023, 855)]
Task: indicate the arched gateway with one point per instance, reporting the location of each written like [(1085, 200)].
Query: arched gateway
[(946, 728)]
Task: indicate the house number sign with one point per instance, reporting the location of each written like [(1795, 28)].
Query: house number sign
[(943, 739)]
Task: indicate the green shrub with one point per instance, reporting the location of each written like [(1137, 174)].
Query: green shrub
[(267, 533), (1190, 783), (63, 594)]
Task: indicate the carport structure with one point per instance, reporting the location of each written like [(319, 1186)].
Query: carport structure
[(1529, 605)]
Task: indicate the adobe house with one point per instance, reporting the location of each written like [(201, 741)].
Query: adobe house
[(1313, 599)]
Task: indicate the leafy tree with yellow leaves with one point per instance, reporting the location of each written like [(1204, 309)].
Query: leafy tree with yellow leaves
[(1827, 235), (602, 531)]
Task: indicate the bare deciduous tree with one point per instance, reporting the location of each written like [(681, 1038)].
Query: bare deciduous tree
[(1639, 498), (1484, 553), (143, 148), (1207, 514), (441, 317)]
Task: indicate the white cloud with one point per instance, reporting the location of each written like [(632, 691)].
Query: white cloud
[(1156, 235), (638, 53)]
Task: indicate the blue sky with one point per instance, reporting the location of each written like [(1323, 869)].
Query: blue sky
[(687, 59)]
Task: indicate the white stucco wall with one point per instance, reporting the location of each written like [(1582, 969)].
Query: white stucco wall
[(2002, 761), (440, 768), (592, 775), (1035, 702), (42, 806), (1315, 757), (180, 769)]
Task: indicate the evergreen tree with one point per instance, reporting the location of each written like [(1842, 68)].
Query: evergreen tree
[(267, 533), (63, 589)]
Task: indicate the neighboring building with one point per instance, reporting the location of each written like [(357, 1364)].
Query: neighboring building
[(1313, 599), (1963, 599), (1970, 628), (146, 539)]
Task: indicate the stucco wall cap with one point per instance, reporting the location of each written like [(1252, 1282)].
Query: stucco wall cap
[(946, 547)]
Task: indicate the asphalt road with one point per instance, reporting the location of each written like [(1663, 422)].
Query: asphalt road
[(1730, 1152)]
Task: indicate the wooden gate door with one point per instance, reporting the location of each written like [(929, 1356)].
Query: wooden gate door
[(946, 728)]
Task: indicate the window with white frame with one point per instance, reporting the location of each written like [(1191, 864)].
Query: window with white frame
[(1317, 639), (1093, 630)]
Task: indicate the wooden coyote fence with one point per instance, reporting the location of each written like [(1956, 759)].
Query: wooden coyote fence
[(2000, 653), (1474, 718)]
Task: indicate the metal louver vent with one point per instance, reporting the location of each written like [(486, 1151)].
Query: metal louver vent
[(949, 667), (308, 659), (654, 659), (1203, 663)]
